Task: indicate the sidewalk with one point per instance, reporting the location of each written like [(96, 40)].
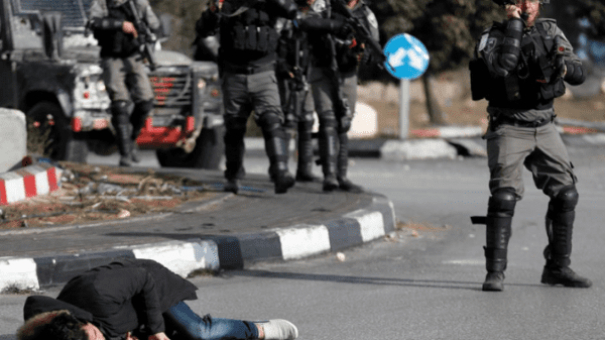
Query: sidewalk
[(225, 231)]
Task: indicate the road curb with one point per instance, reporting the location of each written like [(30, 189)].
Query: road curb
[(215, 252), (38, 179)]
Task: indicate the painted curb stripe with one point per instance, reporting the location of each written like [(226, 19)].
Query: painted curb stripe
[(51, 173), (3, 199), (15, 190), (184, 257), (181, 257), (29, 183), (297, 243), (19, 273), (371, 224), (41, 178)]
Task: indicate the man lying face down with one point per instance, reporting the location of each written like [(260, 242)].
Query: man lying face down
[(134, 299)]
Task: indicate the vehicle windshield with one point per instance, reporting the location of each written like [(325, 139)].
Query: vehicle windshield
[(26, 21)]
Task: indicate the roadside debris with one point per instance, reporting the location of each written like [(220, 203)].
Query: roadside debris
[(92, 193)]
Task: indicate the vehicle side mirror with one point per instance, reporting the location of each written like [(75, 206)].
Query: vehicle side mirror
[(52, 35)]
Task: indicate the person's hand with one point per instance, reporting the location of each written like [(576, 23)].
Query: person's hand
[(158, 336), (512, 11), (128, 28), (129, 336)]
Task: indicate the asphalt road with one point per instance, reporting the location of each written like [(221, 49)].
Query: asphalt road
[(423, 283)]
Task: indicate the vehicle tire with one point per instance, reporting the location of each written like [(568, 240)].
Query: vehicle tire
[(50, 134), (207, 154)]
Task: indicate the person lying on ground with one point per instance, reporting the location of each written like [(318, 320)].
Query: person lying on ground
[(134, 299)]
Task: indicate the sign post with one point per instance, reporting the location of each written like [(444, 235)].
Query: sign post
[(407, 58)]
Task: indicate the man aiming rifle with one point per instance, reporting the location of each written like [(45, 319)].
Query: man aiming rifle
[(520, 67)]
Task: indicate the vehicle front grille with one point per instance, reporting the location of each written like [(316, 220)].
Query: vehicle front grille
[(172, 89)]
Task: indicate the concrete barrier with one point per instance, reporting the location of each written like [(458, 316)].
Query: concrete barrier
[(13, 139)]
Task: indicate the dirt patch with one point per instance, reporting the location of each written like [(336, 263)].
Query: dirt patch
[(96, 193)]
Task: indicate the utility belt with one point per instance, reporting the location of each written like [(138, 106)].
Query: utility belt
[(506, 120), (248, 70)]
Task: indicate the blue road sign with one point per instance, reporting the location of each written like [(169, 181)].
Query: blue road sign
[(407, 57)]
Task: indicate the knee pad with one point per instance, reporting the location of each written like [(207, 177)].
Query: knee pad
[(121, 107), (328, 122), (120, 112), (269, 122), (566, 200), (143, 107), (502, 203)]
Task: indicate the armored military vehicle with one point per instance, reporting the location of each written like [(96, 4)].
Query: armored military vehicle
[(49, 69)]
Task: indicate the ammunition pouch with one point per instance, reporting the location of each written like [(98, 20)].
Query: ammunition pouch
[(252, 31)]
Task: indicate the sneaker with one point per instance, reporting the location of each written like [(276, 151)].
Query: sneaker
[(564, 276), (494, 282), (279, 329), (232, 185)]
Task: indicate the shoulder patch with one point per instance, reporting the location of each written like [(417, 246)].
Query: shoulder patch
[(372, 19), (483, 42)]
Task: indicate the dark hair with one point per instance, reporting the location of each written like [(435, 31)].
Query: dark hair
[(62, 326)]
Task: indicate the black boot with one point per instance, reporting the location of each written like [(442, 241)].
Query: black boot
[(234, 152), (498, 232), (305, 153), (232, 185), (137, 120), (328, 148), (343, 164), (559, 228), (121, 124), (276, 147)]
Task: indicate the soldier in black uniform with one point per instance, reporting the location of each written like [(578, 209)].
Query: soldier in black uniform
[(112, 24), (248, 43), (329, 102), (349, 55), (297, 102), (519, 67)]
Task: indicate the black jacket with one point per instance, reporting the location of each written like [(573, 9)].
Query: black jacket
[(119, 297)]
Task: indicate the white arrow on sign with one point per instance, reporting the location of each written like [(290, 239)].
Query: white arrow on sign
[(416, 60), (396, 59)]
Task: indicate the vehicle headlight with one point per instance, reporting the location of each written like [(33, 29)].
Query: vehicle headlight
[(201, 84), (101, 86)]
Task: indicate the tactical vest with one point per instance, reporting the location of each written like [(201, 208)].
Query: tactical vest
[(532, 85), (250, 34), (115, 43)]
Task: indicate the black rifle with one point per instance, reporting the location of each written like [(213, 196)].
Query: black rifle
[(298, 83), (145, 38), (361, 32)]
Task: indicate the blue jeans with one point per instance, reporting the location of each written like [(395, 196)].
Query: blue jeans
[(190, 325)]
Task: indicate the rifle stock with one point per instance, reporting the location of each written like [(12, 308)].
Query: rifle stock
[(145, 36)]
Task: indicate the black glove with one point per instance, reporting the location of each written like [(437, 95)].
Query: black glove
[(343, 31)]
